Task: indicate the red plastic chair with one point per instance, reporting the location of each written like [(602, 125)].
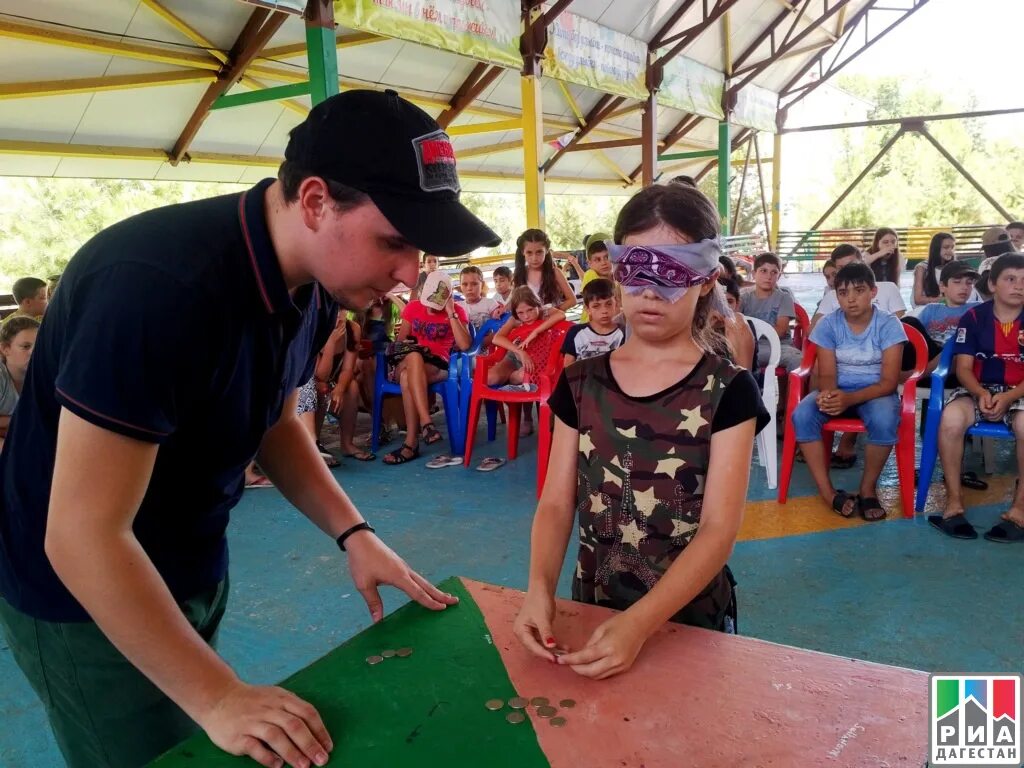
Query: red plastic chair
[(546, 352), (906, 433), (801, 327)]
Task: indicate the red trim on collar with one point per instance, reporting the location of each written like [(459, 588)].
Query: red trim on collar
[(252, 253)]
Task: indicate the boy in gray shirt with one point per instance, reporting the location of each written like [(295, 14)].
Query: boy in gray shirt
[(766, 301)]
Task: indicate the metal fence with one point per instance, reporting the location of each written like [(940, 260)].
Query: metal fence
[(816, 245)]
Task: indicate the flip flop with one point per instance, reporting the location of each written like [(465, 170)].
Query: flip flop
[(444, 460), (955, 526), (972, 481), (260, 482), (490, 464), (1005, 532), (361, 456)]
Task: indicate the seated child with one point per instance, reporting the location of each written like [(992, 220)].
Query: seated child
[(990, 367), (887, 295), (479, 307), (599, 265), (502, 277), (651, 450), (938, 321), (431, 325), (17, 338), (737, 331), (602, 334), (829, 269), (766, 301), (859, 352)]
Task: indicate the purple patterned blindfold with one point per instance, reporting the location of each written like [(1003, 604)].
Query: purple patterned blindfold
[(668, 269)]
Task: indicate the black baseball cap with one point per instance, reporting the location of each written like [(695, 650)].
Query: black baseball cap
[(381, 144), (955, 269)]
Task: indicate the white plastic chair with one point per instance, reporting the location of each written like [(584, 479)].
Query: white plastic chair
[(767, 447)]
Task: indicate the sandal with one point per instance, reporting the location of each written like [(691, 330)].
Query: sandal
[(840, 500), (972, 481), (429, 434), (870, 508), (842, 462), (1005, 532), (955, 526), (402, 454), (361, 456)]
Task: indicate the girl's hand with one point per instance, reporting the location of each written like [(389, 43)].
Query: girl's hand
[(532, 337), (337, 396), (533, 625), (571, 258), (526, 360), (611, 650)]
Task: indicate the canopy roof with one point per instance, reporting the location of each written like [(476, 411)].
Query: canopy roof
[(109, 92)]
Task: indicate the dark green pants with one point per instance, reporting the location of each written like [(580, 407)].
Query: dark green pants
[(104, 712)]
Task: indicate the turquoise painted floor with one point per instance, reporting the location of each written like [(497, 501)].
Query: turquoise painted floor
[(895, 592)]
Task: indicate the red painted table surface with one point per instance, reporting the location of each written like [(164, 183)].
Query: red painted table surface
[(701, 698)]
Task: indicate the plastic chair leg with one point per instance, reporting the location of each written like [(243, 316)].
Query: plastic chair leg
[(472, 419), (378, 406), (929, 452), (788, 456), (905, 468), (452, 420), (514, 413)]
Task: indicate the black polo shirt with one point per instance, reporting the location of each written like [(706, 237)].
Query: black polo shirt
[(173, 327)]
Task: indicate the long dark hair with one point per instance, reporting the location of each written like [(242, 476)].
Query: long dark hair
[(550, 292), (931, 285), (889, 270), (688, 211)]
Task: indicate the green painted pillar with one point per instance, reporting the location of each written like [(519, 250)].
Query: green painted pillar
[(724, 171), (321, 50)]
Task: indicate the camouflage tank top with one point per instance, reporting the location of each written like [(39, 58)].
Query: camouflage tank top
[(640, 485)]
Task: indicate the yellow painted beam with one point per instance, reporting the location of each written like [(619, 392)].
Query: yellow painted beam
[(299, 49), (841, 23), (99, 44), (295, 106), (610, 164), (472, 129), (571, 102), (490, 149), (186, 29), (519, 179), (776, 191), (638, 107), (38, 88), (533, 137), (53, 149)]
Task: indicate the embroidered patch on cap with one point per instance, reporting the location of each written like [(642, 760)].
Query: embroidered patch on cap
[(435, 158)]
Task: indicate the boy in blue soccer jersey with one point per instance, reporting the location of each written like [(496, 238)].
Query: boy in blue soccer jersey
[(989, 360)]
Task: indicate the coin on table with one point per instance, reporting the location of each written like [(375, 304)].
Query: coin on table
[(403, 652), (546, 711), (371, 660), (494, 704), (518, 702), (567, 703), (515, 717), (539, 701), (387, 654), (557, 722)]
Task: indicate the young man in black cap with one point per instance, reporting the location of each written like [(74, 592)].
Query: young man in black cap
[(170, 358)]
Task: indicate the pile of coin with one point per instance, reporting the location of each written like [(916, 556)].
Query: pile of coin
[(388, 654), (541, 705)]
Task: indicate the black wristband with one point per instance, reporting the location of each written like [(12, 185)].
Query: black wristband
[(363, 526)]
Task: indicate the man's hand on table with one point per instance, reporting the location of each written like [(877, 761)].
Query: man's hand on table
[(372, 563)]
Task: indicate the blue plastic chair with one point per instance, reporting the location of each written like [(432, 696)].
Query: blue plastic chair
[(466, 375), (930, 442), (447, 389)]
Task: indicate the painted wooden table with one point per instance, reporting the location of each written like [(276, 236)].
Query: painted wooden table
[(693, 698)]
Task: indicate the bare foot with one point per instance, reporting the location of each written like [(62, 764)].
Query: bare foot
[(953, 508), (1014, 515)]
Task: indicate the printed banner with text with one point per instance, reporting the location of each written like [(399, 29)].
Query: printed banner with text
[(692, 87), (584, 52), (487, 30), (756, 108)]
